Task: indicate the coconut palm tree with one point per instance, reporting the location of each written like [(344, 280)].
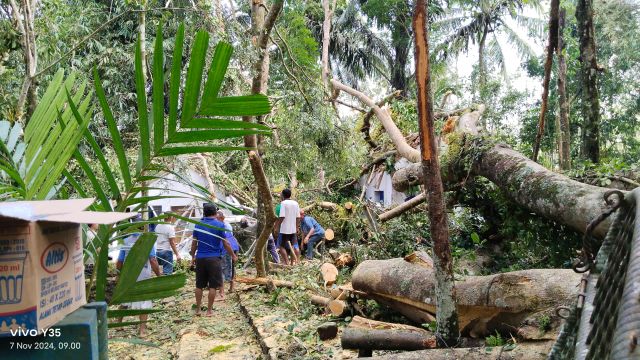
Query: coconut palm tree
[(482, 22)]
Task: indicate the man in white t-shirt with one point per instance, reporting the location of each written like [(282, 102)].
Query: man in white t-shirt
[(166, 245), (287, 224)]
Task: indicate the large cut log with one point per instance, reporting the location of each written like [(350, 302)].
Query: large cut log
[(529, 184), (485, 303), (385, 339), (364, 323), (522, 351)]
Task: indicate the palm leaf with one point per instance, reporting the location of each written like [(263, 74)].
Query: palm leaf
[(133, 264)]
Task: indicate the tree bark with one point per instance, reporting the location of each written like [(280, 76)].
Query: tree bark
[(359, 322), (265, 281), (482, 67), (523, 351), (542, 191), (326, 37), (589, 82), (446, 314), (366, 121), (261, 29), (551, 47), (484, 303), (24, 17), (385, 339), (565, 138), (402, 208)]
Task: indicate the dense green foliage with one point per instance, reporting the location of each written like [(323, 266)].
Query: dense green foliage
[(370, 49)]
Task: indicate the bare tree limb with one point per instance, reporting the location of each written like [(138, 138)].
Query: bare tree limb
[(404, 149)]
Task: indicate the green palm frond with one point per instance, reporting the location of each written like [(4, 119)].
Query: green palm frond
[(524, 49), (32, 161)]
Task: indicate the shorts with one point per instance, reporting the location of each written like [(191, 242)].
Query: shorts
[(283, 239), (209, 272), (228, 268)]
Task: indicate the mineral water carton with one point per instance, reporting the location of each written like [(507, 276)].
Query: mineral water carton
[(41, 261)]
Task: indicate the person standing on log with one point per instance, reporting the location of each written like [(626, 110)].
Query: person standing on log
[(312, 233), (288, 223), (166, 244), (210, 242)]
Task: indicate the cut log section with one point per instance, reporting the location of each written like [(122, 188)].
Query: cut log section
[(485, 303), (344, 260), (338, 294), (522, 351), (385, 339), (329, 235), (319, 300), (265, 282), (360, 322), (327, 331), (337, 307), (329, 273)]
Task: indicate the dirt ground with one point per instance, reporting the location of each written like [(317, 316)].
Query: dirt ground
[(247, 325), (179, 334)]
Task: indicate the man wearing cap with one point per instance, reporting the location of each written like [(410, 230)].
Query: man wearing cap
[(207, 250)]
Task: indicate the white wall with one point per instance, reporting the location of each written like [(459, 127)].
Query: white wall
[(391, 197)]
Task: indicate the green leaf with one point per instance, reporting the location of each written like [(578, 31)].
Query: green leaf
[(158, 92), (131, 312), (215, 123), (475, 238), (154, 288), (248, 105), (174, 87), (194, 136), (133, 264), (217, 70), (113, 130), (198, 149), (143, 116), (194, 77)]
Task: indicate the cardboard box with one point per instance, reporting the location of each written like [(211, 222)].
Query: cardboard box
[(41, 261)]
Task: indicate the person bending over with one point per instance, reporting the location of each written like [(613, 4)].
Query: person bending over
[(312, 233)]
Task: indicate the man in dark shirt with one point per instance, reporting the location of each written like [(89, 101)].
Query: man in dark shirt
[(210, 242)]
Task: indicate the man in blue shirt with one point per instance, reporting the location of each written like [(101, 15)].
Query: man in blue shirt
[(312, 233), (210, 242)]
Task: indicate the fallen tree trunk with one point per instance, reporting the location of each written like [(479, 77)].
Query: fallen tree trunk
[(402, 208), (360, 322), (485, 303), (385, 339), (265, 282), (522, 351), (529, 184)]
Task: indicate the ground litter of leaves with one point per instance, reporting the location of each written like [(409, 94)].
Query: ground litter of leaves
[(277, 325)]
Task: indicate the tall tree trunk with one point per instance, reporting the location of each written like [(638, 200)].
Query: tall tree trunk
[(588, 76), (261, 30), (326, 37), (565, 138), (446, 314), (551, 47), (24, 17), (482, 66)]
